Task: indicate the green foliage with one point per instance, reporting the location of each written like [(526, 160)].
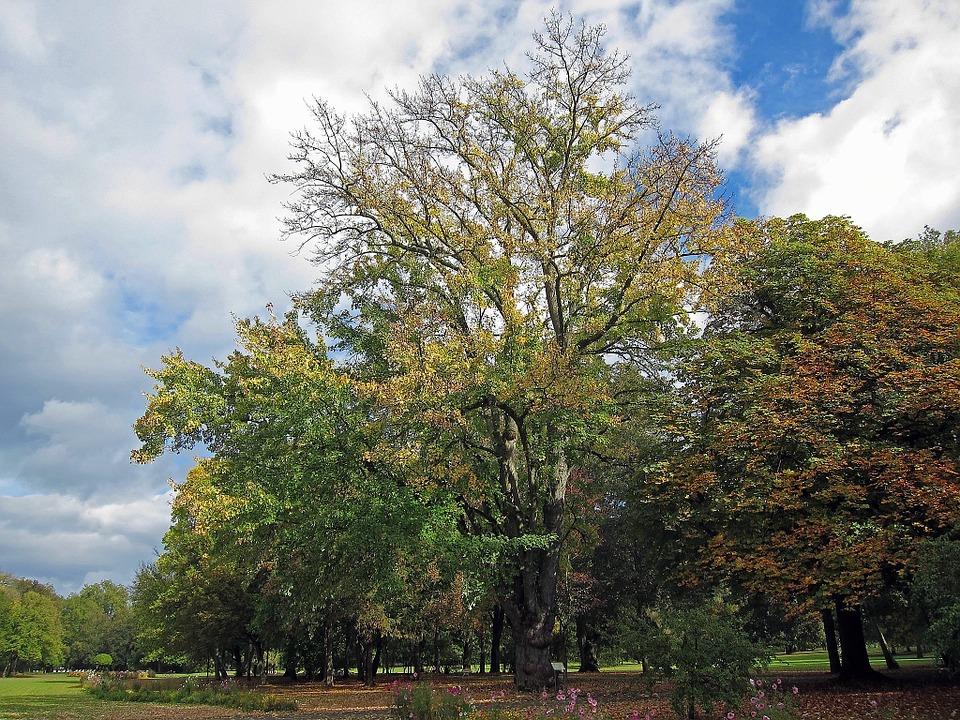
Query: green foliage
[(705, 650), (30, 627), (98, 619), (936, 588)]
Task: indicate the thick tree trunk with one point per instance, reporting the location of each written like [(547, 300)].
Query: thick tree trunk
[(854, 661), (830, 633), (532, 613), (588, 654), (537, 505)]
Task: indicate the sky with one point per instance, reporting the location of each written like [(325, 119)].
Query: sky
[(136, 218)]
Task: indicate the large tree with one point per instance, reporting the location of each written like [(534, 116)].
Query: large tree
[(492, 248), (819, 420), (303, 530)]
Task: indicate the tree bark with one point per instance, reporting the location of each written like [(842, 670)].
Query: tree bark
[(328, 672), (532, 613), (830, 633), (854, 661)]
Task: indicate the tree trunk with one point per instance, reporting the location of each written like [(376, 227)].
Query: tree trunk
[(482, 646), (830, 633), (496, 638), (537, 506), (466, 660), (532, 613), (588, 654), (854, 661), (328, 672), (887, 655)]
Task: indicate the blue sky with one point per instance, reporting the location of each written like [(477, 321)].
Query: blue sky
[(135, 217)]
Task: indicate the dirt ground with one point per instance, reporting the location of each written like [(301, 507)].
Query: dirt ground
[(911, 695)]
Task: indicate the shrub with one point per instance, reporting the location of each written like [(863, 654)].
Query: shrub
[(421, 701), (190, 692), (708, 655)]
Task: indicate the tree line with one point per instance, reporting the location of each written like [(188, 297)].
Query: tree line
[(39, 630)]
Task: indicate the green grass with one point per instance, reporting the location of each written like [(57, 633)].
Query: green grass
[(818, 660), (47, 697), (815, 660)]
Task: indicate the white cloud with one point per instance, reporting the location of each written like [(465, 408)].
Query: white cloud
[(884, 155), (730, 117), (70, 543)]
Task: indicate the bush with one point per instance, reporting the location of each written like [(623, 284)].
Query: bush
[(707, 654), (190, 692), (420, 701)]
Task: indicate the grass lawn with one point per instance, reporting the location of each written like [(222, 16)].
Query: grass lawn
[(818, 660), (47, 697), (814, 660), (59, 697)]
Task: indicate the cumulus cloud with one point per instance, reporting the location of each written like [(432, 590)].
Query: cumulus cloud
[(884, 154), (55, 538)]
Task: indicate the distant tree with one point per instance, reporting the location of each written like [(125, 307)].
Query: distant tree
[(936, 590), (492, 247), (98, 619), (31, 631)]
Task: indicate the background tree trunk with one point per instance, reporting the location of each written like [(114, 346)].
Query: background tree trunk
[(496, 638), (854, 661), (830, 633)]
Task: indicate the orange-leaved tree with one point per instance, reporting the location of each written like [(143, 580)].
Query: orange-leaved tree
[(818, 421)]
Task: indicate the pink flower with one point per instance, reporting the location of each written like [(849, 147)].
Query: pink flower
[(796, 690), (731, 715), (593, 703)]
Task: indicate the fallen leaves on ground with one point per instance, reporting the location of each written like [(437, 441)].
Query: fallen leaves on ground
[(911, 695)]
